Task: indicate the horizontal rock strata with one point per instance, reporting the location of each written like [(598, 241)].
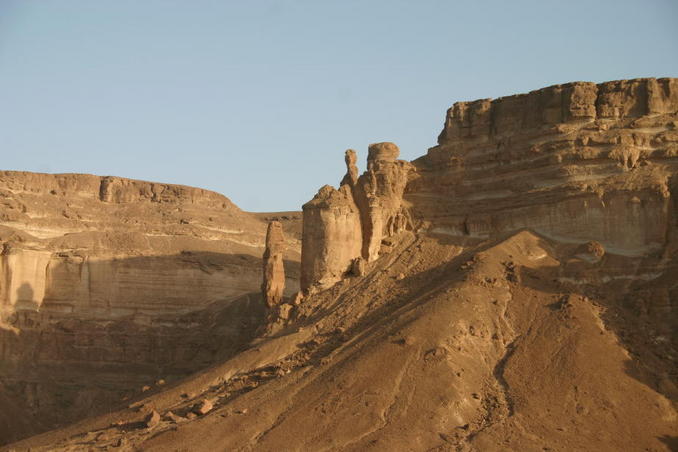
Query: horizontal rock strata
[(108, 284), (576, 162)]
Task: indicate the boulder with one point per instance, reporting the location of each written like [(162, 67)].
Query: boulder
[(152, 419), (204, 407), (358, 267)]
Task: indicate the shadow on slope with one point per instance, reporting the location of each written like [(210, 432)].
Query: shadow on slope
[(106, 329), (436, 348)]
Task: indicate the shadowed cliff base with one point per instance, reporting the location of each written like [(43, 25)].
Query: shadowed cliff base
[(442, 344), (83, 350)]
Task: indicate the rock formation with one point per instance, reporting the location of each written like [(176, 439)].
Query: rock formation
[(342, 225), (126, 281), (273, 286), (575, 162), (331, 236), (378, 193)]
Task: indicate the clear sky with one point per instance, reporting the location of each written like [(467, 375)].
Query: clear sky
[(259, 99)]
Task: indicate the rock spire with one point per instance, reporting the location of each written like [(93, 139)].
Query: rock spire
[(273, 285), (343, 225)]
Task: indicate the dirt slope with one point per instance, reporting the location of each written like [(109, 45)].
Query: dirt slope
[(443, 345)]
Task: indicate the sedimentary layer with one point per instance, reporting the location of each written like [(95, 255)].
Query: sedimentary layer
[(110, 284), (575, 162)]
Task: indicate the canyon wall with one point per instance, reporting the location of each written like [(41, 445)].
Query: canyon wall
[(573, 162), (484, 336), (109, 284)]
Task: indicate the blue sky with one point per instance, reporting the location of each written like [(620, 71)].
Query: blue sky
[(259, 99)]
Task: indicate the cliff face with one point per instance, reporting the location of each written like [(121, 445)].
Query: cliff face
[(581, 164), (110, 284), (571, 192), (574, 162), (331, 236)]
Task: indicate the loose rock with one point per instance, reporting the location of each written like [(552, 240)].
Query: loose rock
[(203, 407), (152, 419)]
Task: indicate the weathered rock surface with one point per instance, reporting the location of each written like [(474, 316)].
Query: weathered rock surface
[(524, 298), (273, 286), (358, 266), (331, 238), (204, 407), (108, 284), (482, 347), (378, 193), (342, 225), (152, 419), (575, 162)]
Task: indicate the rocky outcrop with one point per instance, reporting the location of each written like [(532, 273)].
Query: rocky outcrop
[(331, 237), (273, 286), (109, 189), (575, 162), (486, 119), (107, 284), (461, 322), (378, 193), (348, 223)]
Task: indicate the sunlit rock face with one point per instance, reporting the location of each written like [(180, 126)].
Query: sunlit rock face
[(513, 289), (348, 223), (273, 285), (332, 236), (574, 162), (379, 193), (109, 284)]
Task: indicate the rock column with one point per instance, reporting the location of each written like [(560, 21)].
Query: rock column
[(343, 225), (274, 271), (331, 237)]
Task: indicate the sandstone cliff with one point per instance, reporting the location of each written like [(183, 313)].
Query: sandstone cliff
[(109, 284), (574, 162)]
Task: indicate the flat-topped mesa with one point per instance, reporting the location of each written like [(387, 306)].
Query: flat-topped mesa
[(572, 102), (110, 189), (349, 223), (273, 285), (574, 162)]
